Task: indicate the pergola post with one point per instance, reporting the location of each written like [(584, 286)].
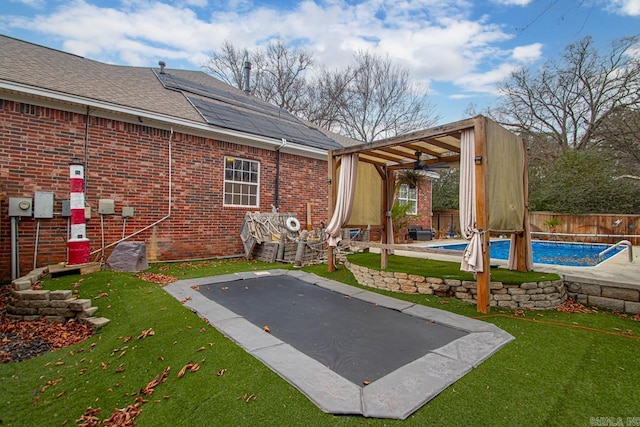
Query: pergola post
[(483, 278), (387, 223), (331, 176), (521, 240)]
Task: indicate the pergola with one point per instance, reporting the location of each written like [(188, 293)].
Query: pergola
[(491, 158)]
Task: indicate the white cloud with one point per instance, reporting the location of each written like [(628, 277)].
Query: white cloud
[(529, 53), (437, 40), (30, 3), (625, 7), (134, 36), (197, 3), (513, 2), (486, 82)]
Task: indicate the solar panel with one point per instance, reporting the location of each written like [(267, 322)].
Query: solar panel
[(257, 124), (247, 114)]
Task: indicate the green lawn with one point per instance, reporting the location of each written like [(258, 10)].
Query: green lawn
[(549, 375)]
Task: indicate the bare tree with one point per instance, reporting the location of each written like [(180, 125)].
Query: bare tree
[(278, 72), (381, 101), (326, 97), (281, 76), (371, 100), (568, 101), (227, 64)]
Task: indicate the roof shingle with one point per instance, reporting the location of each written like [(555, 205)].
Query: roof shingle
[(189, 95)]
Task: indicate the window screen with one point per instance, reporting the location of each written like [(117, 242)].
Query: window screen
[(409, 195), (241, 182)]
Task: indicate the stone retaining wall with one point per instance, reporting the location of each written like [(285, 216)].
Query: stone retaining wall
[(533, 295), (57, 306), (29, 304), (611, 296)]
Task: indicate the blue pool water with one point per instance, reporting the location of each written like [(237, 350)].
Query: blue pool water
[(545, 252)]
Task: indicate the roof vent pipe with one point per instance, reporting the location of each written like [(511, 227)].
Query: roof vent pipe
[(246, 75), (162, 64)]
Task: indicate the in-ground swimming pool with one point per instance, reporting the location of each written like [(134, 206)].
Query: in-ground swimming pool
[(545, 252)]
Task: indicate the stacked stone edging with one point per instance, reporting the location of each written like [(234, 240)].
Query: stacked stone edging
[(605, 295), (533, 295), (29, 304)]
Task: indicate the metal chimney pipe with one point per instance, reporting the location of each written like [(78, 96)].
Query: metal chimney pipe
[(247, 73), (162, 64)]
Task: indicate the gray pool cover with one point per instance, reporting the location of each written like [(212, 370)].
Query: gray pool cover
[(329, 339)]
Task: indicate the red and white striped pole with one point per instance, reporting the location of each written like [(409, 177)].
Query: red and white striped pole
[(78, 244)]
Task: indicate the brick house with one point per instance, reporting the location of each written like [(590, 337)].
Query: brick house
[(228, 153)]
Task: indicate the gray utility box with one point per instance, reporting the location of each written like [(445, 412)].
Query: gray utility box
[(43, 205), (20, 206), (106, 207), (66, 208)]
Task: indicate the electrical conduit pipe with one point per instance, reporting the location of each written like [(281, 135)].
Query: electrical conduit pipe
[(158, 221)]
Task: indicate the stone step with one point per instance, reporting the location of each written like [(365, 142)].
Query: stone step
[(80, 304), (57, 270), (88, 312), (96, 322), (21, 284)]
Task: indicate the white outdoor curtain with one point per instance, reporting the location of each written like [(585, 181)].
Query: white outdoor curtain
[(344, 202), (472, 256)]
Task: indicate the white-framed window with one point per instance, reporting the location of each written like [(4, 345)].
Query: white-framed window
[(241, 182), (409, 195)]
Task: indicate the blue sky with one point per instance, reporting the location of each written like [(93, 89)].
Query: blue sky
[(458, 49)]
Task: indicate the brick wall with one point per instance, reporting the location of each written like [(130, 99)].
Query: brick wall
[(128, 162), (424, 205)]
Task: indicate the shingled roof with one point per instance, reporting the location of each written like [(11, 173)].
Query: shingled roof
[(191, 96)]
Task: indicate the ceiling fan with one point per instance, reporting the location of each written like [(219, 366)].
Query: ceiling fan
[(421, 164)]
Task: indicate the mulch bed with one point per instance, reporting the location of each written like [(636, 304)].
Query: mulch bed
[(21, 340)]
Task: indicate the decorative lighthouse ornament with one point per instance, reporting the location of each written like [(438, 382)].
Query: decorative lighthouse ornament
[(78, 244)]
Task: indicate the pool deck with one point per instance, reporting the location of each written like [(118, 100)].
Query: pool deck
[(617, 270)]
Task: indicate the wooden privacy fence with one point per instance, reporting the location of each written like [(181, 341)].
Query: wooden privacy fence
[(600, 228), (595, 228)]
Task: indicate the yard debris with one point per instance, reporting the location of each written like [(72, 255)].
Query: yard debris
[(89, 418), (266, 329), (195, 287), (161, 279), (50, 383), (150, 388), (193, 367), (247, 397), (125, 417), (146, 333), (21, 340), (101, 295), (221, 372), (571, 306)]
